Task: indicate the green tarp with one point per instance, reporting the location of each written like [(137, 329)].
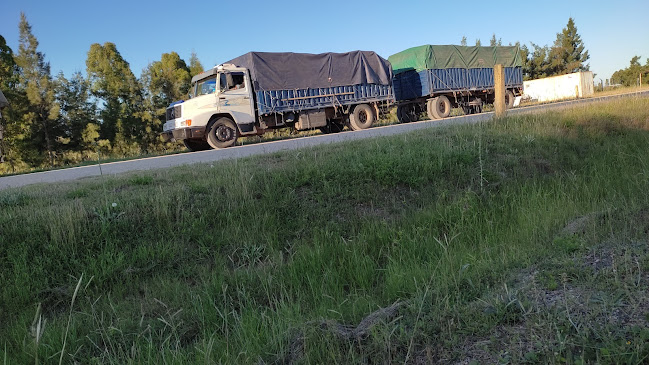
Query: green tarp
[(431, 57)]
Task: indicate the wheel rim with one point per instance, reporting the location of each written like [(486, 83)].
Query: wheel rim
[(441, 108), (224, 133), (411, 114), (362, 117)]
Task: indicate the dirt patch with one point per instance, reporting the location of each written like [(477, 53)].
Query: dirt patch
[(491, 350), (601, 292), (370, 210), (388, 203), (344, 332), (543, 166)]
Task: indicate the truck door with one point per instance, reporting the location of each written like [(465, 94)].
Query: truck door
[(235, 97)]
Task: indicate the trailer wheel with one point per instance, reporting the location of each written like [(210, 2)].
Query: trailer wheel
[(333, 126), (196, 145), (438, 108), (223, 133), (362, 117), (407, 113), (509, 99)]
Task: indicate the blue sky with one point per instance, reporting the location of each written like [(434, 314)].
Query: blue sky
[(217, 31)]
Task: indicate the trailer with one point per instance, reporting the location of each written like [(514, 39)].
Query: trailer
[(571, 86), (434, 79), (261, 91)]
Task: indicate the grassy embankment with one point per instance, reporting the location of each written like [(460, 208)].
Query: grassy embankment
[(519, 240)]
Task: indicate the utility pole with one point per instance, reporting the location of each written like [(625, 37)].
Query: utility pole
[(499, 86)]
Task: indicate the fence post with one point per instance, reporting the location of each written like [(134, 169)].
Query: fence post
[(499, 86)]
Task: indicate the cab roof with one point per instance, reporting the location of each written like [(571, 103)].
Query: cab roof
[(215, 70)]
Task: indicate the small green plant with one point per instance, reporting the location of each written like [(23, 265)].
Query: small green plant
[(549, 281), (108, 213), (568, 244), (13, 199), (141, 180), (78, 193)]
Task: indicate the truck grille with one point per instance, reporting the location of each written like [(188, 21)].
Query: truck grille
[(173, 112)]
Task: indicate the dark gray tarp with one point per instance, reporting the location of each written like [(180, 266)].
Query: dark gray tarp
[(280, 71), (3, 100)]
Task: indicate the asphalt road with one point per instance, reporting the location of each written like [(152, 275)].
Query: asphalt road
[(270, 147)]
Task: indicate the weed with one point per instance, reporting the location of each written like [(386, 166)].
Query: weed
[(141, 180)]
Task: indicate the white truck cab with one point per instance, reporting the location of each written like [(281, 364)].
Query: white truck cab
[(259, 92), (220, 108)]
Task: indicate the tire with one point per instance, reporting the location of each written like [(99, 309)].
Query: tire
[(196, 145), (509, 99), (362, 117), (222, 133), (333, 126), (407, 113), (438, 108)]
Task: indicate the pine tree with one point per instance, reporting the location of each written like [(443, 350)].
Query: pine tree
[(195, 66), (36, 81), (568, 54), (538, 65), (495, 42), (525, 55), (478, 43), (463, 41)]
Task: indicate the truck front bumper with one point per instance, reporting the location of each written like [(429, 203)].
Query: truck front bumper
[(184, 133)]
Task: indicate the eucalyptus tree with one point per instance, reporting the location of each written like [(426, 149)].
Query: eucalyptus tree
[(633, 74), (42, 115), (164, 81), (76, 108), (10, 118), (113, 83)]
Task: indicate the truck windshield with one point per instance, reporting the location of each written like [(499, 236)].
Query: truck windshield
[(206, 86)]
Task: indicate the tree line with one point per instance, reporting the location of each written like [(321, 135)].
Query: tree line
[(54, 121), (567, 54), (634, 75)]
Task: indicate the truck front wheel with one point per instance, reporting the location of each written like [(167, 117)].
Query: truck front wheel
[(196, 145), (223, 133), (362, 117)]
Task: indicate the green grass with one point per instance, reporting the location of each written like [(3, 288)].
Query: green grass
[(522, 240)]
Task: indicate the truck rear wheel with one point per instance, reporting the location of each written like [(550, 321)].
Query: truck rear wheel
[(223, 133), (438, 108), (407, 113), (333, 126), (362, 117), (196, 145)]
